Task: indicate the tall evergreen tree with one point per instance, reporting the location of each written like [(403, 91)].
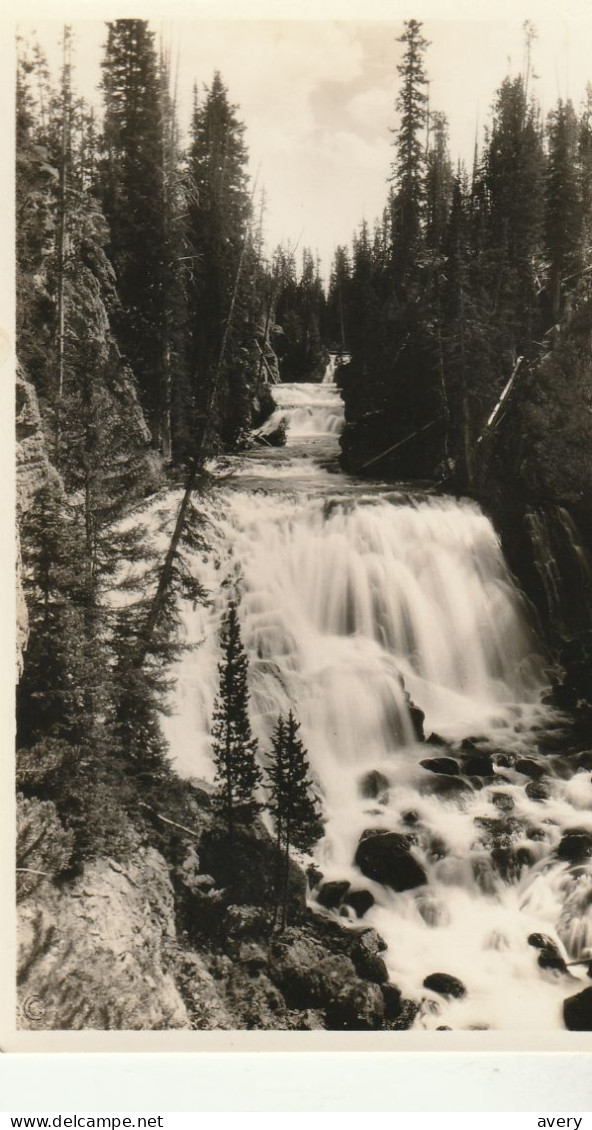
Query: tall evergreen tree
[(563, 205), (409, 165), (133, 195), (293, 801), (223, 308), (234, 747)]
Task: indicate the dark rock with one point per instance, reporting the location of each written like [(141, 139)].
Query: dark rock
[(583, 760), (243, 921), (373, 785), (510, 861), (443, 1028), (295, 959), (392, 998), (314, 876), (253, 956), (330, 976), (274, 438), (550, 959), (549, 956), (536, 790), (410, 818), (360, 901), (386, 858), (529, 768), (331, 894), (503, 801), (417, 720), (367, 942), (577, 1012), (406, 1017), (575, 846), (503, 761), (446, 765), (372, 967), (478, 765), (445, 984), (541, 941), (358, 1007), (470, 745), (435, 739), (450, 787), (538, 835)]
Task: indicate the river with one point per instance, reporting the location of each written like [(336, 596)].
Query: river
[(353, 597)]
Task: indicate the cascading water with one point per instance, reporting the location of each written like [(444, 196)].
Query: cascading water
[(354, 600)]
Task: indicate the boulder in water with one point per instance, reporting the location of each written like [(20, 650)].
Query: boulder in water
[(386, 858), (449, 787), (446, 765), (331, 894), (367, 941), (372, 967), (503, 801), (274, 438), (529, 768), (435, 739), (446, 985), (577, 1012), (478, 765), (537, 791), (360, 901), (393, 999), (575, 846), (541, 941), (373, 785)]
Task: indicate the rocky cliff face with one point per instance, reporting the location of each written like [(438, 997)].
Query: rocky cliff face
[(138, 945), (98, 953), (33, 471)]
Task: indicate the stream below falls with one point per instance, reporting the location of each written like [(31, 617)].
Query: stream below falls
[(355, 597)]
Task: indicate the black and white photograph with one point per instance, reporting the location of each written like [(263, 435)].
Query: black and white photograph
[(304, 515)]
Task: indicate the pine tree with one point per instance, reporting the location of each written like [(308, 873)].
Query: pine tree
[(563, 206), (132, 181), (339, 311), (292, 801), (409, 166), (223, 306), (234, 748)]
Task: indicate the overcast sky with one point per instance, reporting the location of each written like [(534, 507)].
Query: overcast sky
[(317, 98)]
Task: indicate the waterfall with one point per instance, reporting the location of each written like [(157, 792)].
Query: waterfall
[(308, 410), (354, 601)]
